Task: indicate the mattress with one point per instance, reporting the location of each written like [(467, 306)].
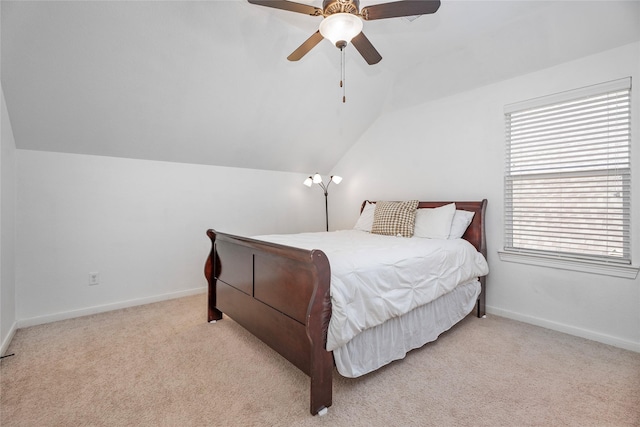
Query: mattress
[(376, 278)]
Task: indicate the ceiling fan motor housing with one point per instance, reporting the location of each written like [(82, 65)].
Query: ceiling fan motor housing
[(330, 7)]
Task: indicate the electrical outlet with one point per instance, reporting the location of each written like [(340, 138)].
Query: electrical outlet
[(94, 279)]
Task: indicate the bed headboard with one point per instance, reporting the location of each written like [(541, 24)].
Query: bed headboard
[(475, 233)]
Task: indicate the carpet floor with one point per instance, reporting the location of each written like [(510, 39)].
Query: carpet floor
[(162, 364)]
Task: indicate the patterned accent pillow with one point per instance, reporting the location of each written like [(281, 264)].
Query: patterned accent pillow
[(395, 218)]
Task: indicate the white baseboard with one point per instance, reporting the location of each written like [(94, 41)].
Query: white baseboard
[(567, 329), (5, 343), (560, 327), (39, 320)]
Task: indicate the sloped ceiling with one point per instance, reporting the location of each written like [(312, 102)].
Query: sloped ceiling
[(208, 81)]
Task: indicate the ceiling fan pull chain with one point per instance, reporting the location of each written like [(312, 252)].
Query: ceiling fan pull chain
[(343, 75)]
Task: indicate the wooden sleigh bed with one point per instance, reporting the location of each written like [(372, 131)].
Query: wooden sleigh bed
[(281, 295)]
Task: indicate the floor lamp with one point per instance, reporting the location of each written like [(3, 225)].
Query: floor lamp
[(317, 179)]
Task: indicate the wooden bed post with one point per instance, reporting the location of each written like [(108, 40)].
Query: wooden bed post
[(319, 314), (481, 309), (213, 313)]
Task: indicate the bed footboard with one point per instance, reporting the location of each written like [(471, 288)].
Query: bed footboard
[(281, 295)]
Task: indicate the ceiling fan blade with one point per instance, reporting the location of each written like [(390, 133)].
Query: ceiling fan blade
[(366, 49), (290, 6), (305, 47), (397, 9)]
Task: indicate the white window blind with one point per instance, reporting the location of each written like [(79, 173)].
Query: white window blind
[(568, 174)]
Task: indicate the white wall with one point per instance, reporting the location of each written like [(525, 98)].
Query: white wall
[(7, 231), (453, 148), (140, 224)]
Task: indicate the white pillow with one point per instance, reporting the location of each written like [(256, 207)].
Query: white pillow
[(461, 221), (434, 223), (365, 222)]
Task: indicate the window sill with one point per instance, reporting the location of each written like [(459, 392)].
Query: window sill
[(607, 269)]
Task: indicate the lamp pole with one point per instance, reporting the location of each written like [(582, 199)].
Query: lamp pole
[(326, 206), (325, 188)]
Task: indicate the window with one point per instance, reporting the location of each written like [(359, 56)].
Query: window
[(568, 175)]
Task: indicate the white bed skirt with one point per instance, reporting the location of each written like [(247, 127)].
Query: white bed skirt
[(380, 345)]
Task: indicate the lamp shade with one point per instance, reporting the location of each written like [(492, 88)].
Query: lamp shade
[(308, 182), (317, 179), (337, 179), (340, 27)]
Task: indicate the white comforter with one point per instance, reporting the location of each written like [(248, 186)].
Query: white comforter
[(375, 278)]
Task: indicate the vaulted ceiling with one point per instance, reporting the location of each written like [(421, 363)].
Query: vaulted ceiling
[(208, 81)]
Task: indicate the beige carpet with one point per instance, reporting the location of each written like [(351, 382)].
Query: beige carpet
[(163, 365)]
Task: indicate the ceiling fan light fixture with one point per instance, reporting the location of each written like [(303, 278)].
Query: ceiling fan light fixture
[(340, 28)]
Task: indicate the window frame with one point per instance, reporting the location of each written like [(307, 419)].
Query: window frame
[(614, 266)]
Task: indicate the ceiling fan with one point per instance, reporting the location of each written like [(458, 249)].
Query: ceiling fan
[(342, 21)]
